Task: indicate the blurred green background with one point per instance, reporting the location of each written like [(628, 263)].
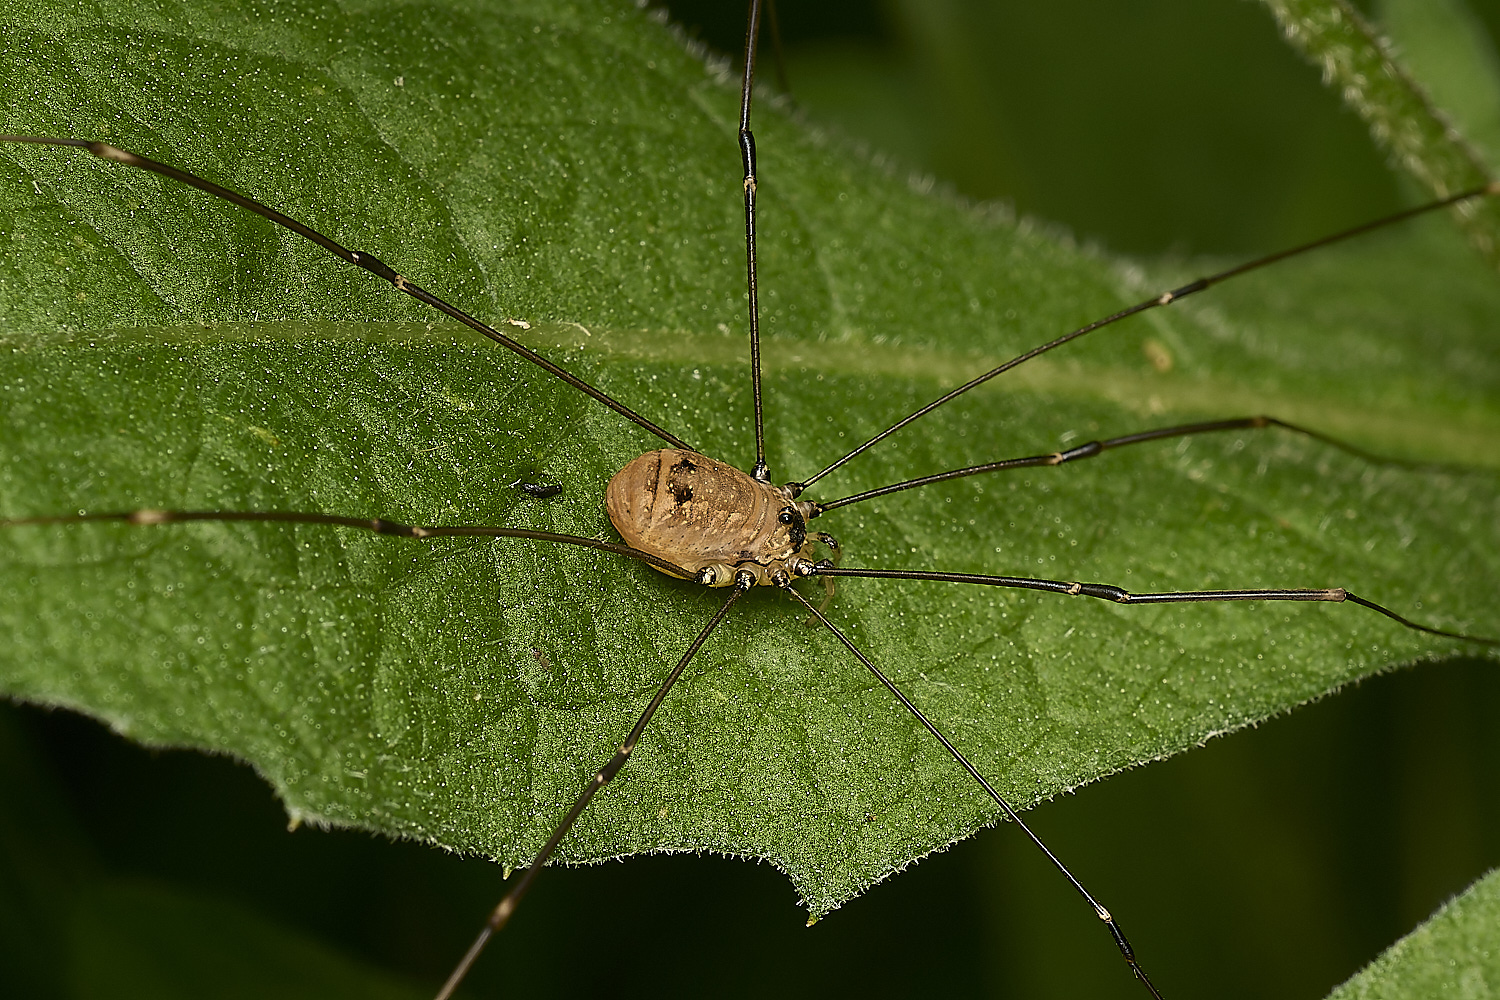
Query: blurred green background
[(1150, 126), (1273, 863)]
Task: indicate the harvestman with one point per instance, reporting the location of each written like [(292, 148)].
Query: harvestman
[(691, 517)]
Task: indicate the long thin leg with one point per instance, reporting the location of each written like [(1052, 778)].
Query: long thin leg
[(358, 258), (1103, 914), (1118, 595), (747, 160), (376, 524), (602, 777), (1092, 448), (1165, 298)]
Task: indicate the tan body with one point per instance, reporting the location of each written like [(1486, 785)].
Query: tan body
[(710, 518)]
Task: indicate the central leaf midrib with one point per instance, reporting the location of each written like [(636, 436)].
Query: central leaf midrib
[(1464, 437)]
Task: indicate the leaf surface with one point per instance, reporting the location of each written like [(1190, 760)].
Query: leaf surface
[(574, 168), (1449, 955)]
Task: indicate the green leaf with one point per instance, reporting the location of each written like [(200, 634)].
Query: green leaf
[(1450, 955), (1401, 115), (573, 168)]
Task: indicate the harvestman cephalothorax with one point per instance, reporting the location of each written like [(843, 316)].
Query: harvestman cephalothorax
[(674, 484)]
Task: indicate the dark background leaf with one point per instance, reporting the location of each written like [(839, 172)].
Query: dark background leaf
[(408, 403)]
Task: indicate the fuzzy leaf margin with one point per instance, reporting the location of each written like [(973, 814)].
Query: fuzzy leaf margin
[(573, 167)]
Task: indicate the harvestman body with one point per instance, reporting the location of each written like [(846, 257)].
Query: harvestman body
[(713, 519), (692, 517)]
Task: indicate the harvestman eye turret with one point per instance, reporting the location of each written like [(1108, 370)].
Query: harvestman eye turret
[(690, 516)]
